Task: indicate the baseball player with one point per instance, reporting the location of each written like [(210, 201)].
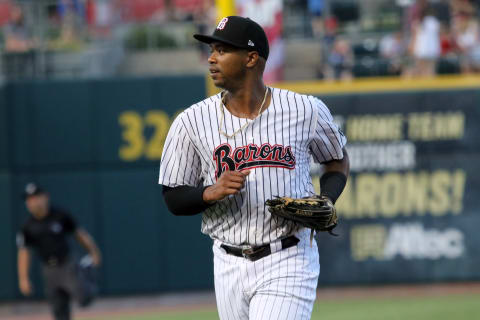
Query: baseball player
[(228, 154), (47, 231)]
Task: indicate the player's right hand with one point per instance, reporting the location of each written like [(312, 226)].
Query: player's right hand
[(230, 182), (25, 287)]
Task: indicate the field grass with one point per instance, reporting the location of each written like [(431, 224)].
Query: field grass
[(454, 307)]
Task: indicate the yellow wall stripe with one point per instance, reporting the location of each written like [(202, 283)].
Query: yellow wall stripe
[(371, 85), (385, 84), (225, 8)]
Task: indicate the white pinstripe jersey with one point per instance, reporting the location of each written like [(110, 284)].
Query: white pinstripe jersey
[(276, 146)]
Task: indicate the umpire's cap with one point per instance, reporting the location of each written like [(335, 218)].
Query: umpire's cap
[(239, 32), (32, 189)]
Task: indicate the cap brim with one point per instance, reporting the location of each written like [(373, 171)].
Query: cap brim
[(209, 39)]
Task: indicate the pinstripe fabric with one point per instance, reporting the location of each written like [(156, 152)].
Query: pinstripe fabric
[(280, 286), (276, 147)]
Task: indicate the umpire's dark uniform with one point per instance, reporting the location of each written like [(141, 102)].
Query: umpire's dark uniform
[(49, 239), (48, 236)]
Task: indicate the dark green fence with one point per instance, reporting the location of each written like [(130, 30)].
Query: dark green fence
[(96, 146), (7, 235), (411, 208)]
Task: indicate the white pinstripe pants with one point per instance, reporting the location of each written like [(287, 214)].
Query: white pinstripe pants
[(281, 286)]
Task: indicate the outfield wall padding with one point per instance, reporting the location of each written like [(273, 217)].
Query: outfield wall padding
[(409, 213)]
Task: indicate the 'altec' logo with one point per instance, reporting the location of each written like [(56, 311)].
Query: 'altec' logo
[(252, 156)]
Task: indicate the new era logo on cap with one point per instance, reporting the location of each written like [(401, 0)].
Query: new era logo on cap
[(250, 43)]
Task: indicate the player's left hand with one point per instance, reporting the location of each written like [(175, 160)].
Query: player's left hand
[(26, 287), (317, 213)]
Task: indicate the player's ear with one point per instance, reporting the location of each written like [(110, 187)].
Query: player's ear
[(252, 59)]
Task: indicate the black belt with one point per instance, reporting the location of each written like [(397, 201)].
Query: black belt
[(256, 253), (55, 261)]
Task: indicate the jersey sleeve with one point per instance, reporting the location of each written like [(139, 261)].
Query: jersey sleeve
[(69, 223), (23, 239), (327, 139), (180, 164)]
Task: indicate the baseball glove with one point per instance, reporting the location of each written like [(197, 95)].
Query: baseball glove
[(317, 213)]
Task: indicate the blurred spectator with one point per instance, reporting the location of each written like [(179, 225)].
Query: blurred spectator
[(448, 47), (99, 14), (316, 7), (393, 48), (170, 10), (425, 44), (414, 14), (18, 60), (467, 38), (329, 29), (72, 17), (462, 7), (204, 18), (17, 37), (4, 12), (169, 13), (340, 61), (442, 11)]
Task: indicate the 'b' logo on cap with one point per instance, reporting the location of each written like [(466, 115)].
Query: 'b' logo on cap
[(222, 23)]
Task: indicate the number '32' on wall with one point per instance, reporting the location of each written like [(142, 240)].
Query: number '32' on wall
[(136, 140)]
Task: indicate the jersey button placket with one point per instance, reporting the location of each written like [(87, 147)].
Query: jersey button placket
[(252, 172)]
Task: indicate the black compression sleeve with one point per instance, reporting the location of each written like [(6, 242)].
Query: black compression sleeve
[(332, 184), (185, 200)]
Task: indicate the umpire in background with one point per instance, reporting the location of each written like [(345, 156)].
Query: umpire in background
[(47, 231)]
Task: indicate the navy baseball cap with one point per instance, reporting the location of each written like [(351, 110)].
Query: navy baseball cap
[(239, 32), (32, 189)]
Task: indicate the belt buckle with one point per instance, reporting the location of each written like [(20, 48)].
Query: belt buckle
[(52, 262), (247, 253)]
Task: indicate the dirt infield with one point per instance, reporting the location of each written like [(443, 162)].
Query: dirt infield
[(111, 307)]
